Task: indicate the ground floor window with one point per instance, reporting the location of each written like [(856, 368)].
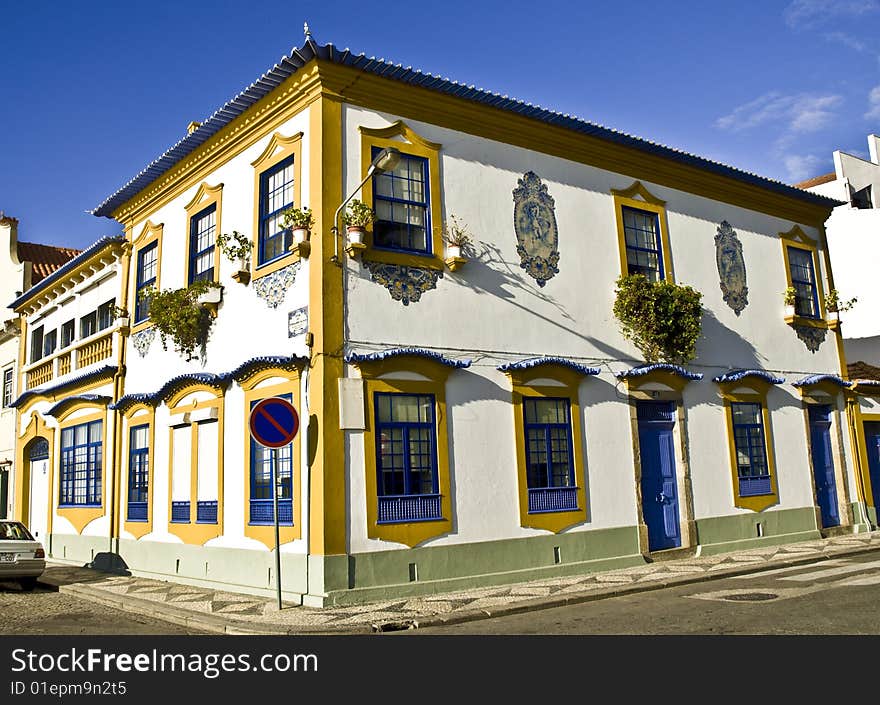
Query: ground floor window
[(81, 456), (138, 472), (262, 504), (751, 449), (549, 456)]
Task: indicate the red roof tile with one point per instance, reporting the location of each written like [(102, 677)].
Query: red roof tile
[(45, 258), (816, 181), (862, 370)]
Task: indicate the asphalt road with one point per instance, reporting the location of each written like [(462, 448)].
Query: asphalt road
[(837, 597), (45, 611)]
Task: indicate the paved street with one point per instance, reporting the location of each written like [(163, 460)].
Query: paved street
[(830, 597), (45, 611)]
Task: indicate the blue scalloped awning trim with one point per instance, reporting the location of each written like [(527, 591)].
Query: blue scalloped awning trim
[(548, 360), (106, 371), (737, 375), (216, 381), (816, 379), (129, 400), (643, 370), (355, 358), (265, 362), (867, 382), (56, 409)]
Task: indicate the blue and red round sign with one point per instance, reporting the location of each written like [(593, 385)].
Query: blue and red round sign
[(274, 422)]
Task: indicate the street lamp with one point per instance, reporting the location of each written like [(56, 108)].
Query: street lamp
[(385, 160)]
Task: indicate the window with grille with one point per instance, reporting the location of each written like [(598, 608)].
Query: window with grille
[(549, 454), (81, 458), (138, 472), (751, 449), (262, 503)]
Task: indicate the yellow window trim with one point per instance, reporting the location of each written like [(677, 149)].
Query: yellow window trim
[(416, 145), (80, 517), (150, 233), (523, 385), (266, 534), (861, 418), (639, 198), (277, 150), (409, 534), (798, 239), (756, 393), (139, 415), (205, 197), (194, 533)]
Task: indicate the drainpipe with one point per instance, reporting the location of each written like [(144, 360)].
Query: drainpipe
[(857, 459)]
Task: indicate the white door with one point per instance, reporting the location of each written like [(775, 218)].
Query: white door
[(39, 499)]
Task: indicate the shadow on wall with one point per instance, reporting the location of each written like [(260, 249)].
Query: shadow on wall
[(720, 346)]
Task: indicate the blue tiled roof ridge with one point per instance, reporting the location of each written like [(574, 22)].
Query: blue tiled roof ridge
[(737, 375), (354, 357), (531, 362), (298, 57), (641, 370)]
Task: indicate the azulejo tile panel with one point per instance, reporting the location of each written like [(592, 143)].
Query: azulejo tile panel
[(534, 221), (143, 339), (273, 287), (731, 268), (811, 337), (405, 284)]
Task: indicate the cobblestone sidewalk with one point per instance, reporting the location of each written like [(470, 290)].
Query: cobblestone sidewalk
[(234, 613)]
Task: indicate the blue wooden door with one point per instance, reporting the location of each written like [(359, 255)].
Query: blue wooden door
[(872, 440), (823, 466), (659, 483)]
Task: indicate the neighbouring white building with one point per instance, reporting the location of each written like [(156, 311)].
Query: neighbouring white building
[(22, 264), (471, 417)]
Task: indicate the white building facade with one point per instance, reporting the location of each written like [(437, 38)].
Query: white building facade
[(465, 418)]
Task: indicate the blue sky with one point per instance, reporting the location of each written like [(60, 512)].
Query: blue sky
[(93, 91)]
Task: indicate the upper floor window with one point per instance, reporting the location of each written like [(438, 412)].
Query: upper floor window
[(202, 236), (276, 194), (861, 198), (406, 457), (8, 379), (138, 472), (549, 456), (105, 314), (88, 324), (36, 343), (81, 459), (147, 267), (803, 279), (68, 332), (401, 203), (49, 341), (643, 246)]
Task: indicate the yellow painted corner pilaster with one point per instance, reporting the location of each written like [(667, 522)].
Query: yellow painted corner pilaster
[(327, 509)]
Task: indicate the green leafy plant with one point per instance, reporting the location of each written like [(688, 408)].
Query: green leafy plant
[(662, 319), (298, 218), (236, 246), (833, 302), (119, 312), (358, 214), (455, 233), (789, 296), (178, 315)]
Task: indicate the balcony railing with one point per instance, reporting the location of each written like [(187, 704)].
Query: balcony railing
[(262, 511), (92, 350), (64, 364), (137, 511), (39, 375), (402, 508), (755, 485), (180, 512), (552, 499), (206, 512)]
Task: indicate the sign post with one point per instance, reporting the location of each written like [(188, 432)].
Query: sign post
[(273, 424)]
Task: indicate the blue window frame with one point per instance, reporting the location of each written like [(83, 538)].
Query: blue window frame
[(644, 254), (400, 200), (406, 458), (8, 383), (202, 235), (803, 279), (81, 457), (751, 449), (262, 504), (147, 267), (138, 472), (549, 454), (276, 194)]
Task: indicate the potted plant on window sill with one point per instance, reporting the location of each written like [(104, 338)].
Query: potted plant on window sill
[(833, 306), (789, 299), (300, 222), (237, 249), (123, 320), (458, 240), (185, 316), (357, 218)]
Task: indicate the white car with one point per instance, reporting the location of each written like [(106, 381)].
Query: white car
[(22, 557)]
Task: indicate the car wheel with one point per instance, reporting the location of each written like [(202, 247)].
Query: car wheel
[(28, 583)]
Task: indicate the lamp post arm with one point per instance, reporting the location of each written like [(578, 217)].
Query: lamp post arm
[(335, 228)]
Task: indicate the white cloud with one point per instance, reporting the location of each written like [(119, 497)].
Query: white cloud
[(798, 113), (803, 14), (801, 167), (847, 40), (873, 104)]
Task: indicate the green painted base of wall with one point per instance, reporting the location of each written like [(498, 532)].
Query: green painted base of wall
[(366, 577), (233, 569), (740, 531), (859, 513)]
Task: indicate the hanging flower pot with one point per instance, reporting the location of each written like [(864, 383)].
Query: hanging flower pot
[(356, 234), (300, 235)]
